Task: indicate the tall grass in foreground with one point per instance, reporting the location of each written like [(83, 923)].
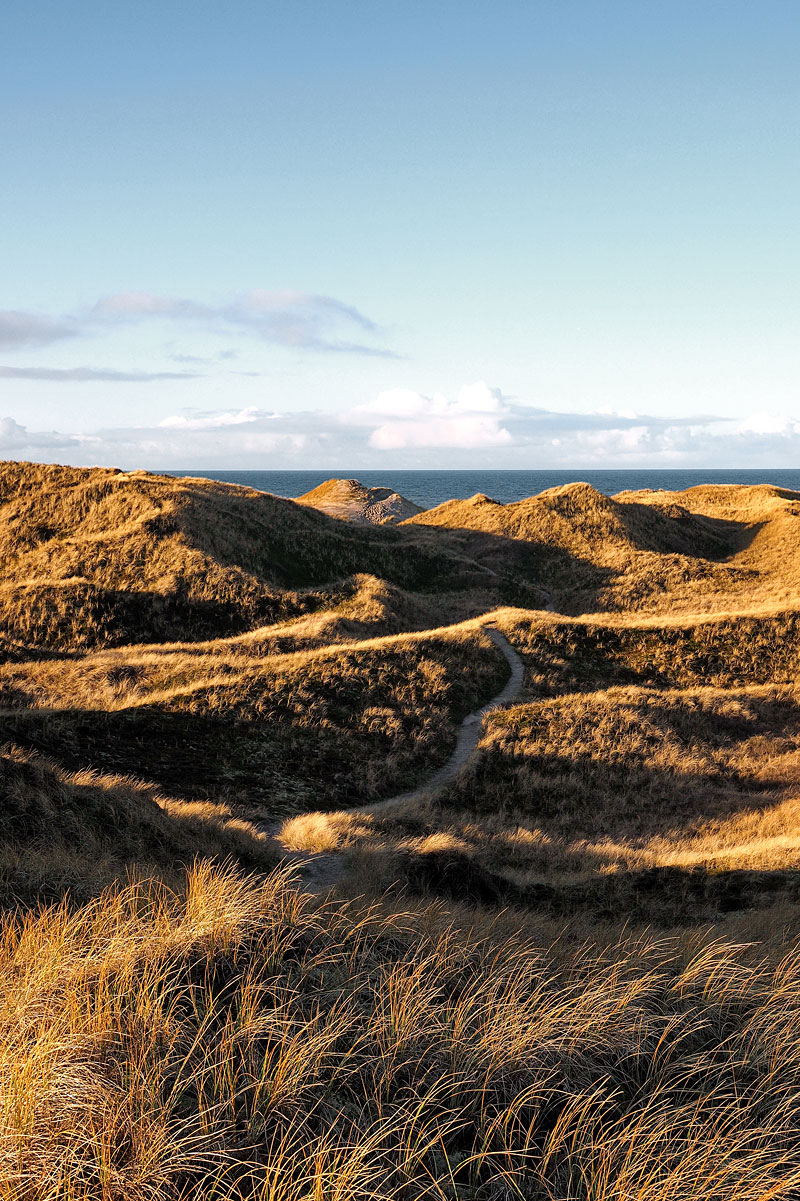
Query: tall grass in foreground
[(238, 1039)]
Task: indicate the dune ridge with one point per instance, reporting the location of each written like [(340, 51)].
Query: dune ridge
[(352, 501), (566, 970)]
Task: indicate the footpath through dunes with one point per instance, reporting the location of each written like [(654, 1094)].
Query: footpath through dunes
[(267, 734), (652, 770), (298, 838), (469, 731)]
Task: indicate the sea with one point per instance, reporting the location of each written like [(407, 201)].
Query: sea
[(430, 488)]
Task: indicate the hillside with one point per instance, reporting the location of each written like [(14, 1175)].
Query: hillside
[(700, 550), (270, 734), (79, 831), (352, 501), (768, 518), (579, 519), (100, 557), (253, 946)]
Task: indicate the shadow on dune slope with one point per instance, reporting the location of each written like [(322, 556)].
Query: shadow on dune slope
[(71, 833)]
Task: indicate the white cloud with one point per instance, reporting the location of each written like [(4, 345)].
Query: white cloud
[(769, 425), (401, 418), (212, 421), (480, 398), (451, 431), (15, 437), (402, 428), (463, 433), (401, 403)]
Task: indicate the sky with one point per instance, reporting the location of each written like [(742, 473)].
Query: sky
[(400, 233)]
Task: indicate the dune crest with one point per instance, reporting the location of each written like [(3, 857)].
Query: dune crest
[(350, 500)]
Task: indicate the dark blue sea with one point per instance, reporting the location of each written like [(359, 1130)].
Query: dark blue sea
[(429, 488)]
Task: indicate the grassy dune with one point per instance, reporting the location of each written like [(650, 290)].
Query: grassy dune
[(668, 806), (708, 549), (73, 833), (665, 651), (653, 770), (273, 734), (100, 557), (234, 1040), (569, 973)]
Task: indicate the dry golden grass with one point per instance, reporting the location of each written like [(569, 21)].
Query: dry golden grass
[(75, 832), (335, 725), (189, 654), (100, 557), (708, 549), (232, 1040), (569, 655)]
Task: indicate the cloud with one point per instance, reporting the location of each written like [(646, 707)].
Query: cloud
[(222, 356), (479, 427), (293, 319), (687, 442), (769, 425), (15, 437), (134, 306), (481, 418), (468, 433), (32, 329), (302, 320), (405, 419), (212, 421), (90, 374)]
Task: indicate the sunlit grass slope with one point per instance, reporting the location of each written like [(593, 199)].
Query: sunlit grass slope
[(232, 1040), (706, 549), (98, 557), (281, 732)]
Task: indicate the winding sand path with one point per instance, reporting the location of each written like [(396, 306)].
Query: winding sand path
[(469, 732), (320, 869)]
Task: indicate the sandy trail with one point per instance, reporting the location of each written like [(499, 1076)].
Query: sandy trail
[(321, 869), (469, 732)]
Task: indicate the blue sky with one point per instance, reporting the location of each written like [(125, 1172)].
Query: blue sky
[(438, 234)]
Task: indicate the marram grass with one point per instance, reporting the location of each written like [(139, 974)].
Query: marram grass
[(235, 1038)]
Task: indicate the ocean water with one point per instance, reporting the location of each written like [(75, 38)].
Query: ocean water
[(429, 488)]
